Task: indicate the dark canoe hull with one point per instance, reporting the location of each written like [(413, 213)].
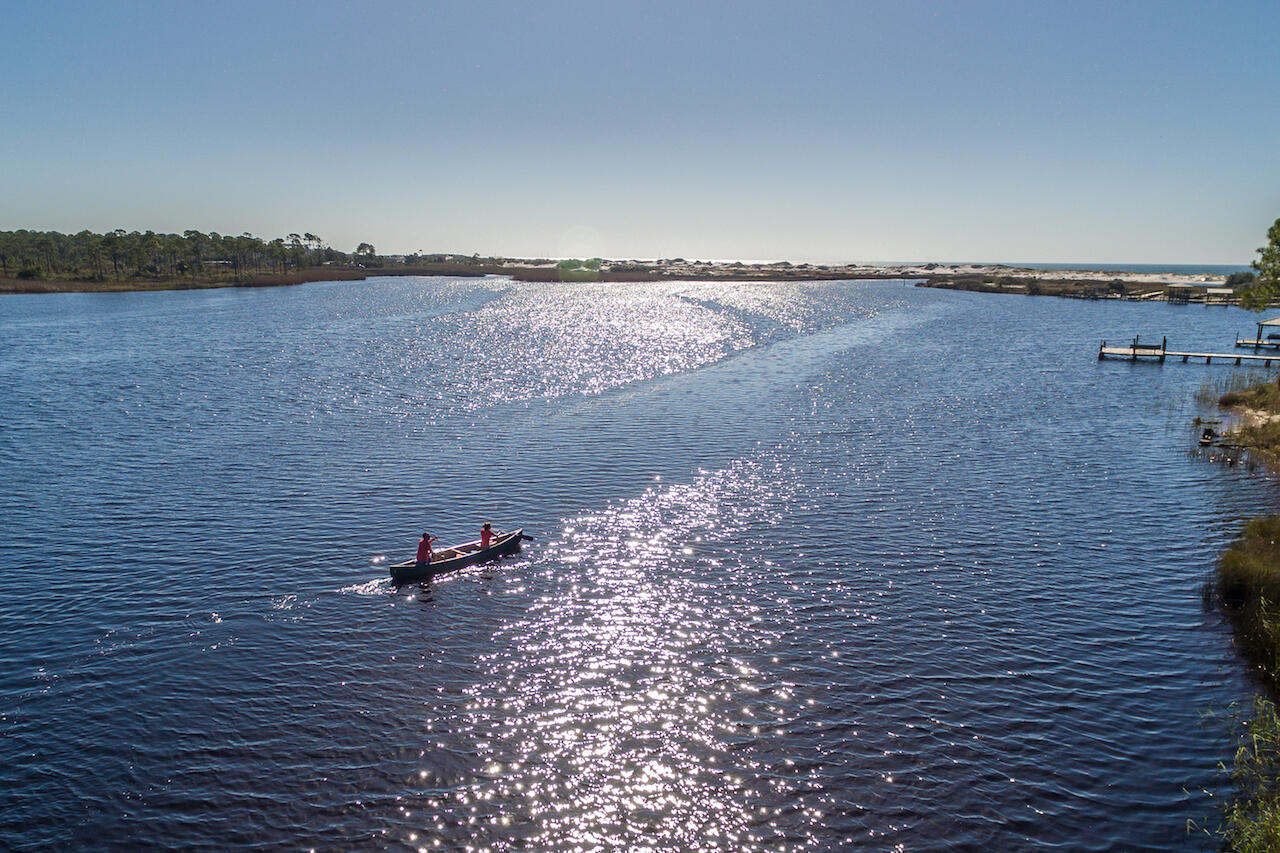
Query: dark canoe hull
[(470, 555)]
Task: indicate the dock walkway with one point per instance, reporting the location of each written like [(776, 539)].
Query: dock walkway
[(1257, 343), (1160, 352)]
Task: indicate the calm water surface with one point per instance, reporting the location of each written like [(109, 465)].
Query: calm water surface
[(817, 566)]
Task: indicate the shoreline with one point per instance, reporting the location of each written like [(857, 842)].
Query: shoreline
[(1246, 588), (984, 278)]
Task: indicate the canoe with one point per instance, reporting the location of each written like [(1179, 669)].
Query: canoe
[(457, 557)]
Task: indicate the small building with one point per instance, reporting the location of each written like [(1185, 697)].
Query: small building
[(1219, 295)]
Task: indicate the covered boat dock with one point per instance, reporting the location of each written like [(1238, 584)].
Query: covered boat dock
[(1268, 335)]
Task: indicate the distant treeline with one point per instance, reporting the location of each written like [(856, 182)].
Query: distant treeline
[(124, 254)]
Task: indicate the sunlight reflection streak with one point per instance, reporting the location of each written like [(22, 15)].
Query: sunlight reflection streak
[(624, 710)]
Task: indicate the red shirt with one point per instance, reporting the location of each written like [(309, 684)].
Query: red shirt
[(486, 536), (424, 551)]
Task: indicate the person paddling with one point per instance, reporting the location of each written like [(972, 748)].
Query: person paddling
[(488, 534), (424, 549)]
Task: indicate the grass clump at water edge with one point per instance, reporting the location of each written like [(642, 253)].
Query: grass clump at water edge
[(1251, 823), (1263, 396), (1249, 580), (1249, 583), (1240, 388)]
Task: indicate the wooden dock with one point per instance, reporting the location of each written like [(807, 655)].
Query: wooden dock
[(1160, 352), (1257, 343), (1268, 336)]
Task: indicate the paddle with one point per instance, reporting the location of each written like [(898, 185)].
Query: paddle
[(526, 537)]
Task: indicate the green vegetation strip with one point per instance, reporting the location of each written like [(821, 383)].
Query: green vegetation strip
[(1249, 584), (1249, 578)]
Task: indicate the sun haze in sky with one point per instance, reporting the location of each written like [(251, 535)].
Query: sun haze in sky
[(986, 130)]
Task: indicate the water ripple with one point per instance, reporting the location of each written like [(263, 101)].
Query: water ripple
[(816, 566)]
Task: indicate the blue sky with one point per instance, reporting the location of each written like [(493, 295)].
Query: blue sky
[(830, 132)]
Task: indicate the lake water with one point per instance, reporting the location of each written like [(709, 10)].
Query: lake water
[(816, 566)]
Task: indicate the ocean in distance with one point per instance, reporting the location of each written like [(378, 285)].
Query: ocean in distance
[(1175, 269), (816, 566)]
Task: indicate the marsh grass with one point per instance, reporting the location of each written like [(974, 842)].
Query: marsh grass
[(1251, 821), (192, 282), (1249, 581), (1249, 398), (1259, 395), (1249, 584), (1262, 440), (1211, 391)]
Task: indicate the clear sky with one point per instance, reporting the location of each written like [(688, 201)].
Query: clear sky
[(863, 130)]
